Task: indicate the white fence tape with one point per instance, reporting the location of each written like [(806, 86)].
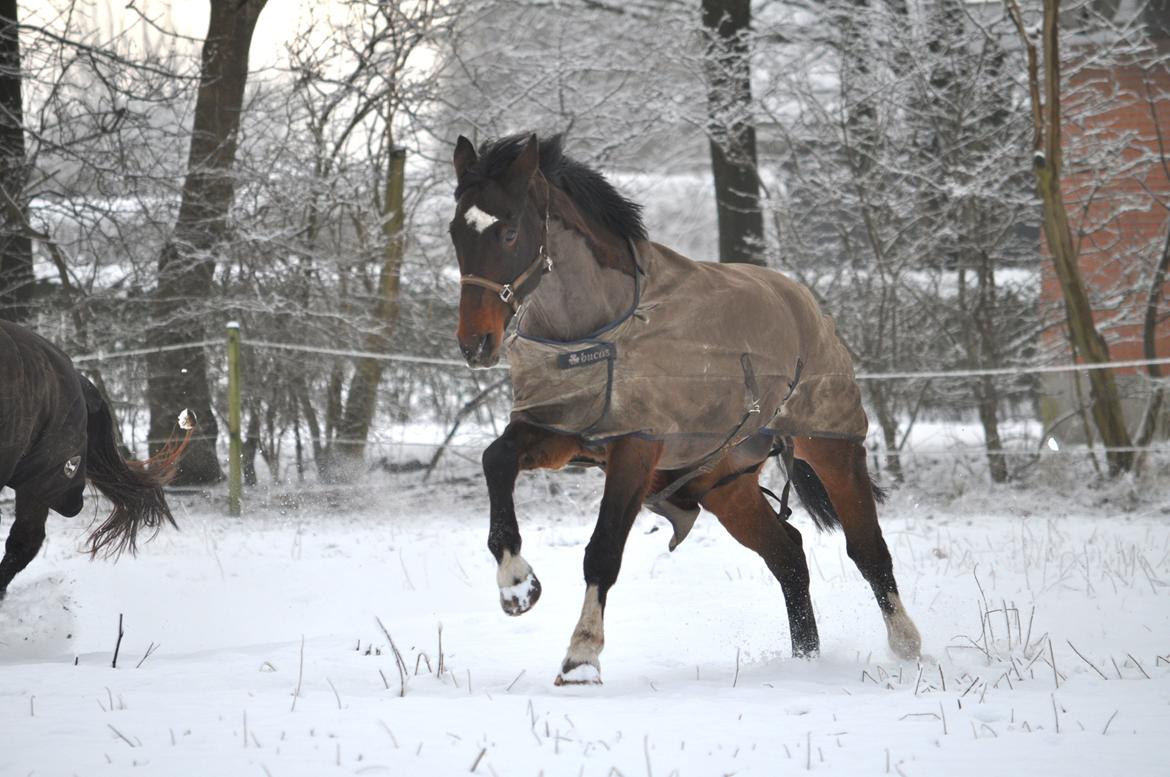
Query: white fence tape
[(412, 359)]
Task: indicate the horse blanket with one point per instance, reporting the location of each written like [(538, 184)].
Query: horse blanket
[(708, 356), (44, 409)]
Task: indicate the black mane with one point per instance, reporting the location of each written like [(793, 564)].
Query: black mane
[(588, 189)]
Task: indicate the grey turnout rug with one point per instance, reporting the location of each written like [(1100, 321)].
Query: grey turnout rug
[(708, 356)]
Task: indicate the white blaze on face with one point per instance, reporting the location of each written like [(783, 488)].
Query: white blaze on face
[(479, 220)]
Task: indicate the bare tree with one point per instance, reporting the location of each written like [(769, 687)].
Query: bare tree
[(186, 267), (731, 130), (1047, 121), (16, 265)]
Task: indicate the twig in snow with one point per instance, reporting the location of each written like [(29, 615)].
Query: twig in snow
[(1105, 730), (735, 679), (149, 650), (393, 738), (397, 657), (418, 662), (1055, 714), (509, 688), (646, 750), (121, 736), (478, 758), (300, 676), (1052, 658), (118, 644), (1138, 665), (1087, 661), (439, 672), (336, 695)]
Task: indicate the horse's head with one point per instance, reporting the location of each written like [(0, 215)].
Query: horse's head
[(499, 232)]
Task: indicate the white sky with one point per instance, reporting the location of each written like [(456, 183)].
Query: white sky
[(106, 19)]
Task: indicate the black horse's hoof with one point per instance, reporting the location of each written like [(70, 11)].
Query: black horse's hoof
[(519, 598)]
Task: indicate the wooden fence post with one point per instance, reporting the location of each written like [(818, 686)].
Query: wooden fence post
[(235, 473)]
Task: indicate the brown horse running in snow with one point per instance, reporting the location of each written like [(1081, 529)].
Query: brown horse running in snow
[(679, 378)]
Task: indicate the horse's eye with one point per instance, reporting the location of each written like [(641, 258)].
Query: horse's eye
[(509, 236)]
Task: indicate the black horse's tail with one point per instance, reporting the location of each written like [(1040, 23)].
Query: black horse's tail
[(134, 487), (815, 498)]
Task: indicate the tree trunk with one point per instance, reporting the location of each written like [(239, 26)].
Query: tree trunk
[(186, 267), (251, 446), (731, 132), (16, 265), (1152, 415), (362, 400), (889, 426), (1105, 402)]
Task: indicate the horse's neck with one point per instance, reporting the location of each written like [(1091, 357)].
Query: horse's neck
[(581, 294)]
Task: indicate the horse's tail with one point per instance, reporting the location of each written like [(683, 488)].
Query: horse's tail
[(134, 487), (815, 498)]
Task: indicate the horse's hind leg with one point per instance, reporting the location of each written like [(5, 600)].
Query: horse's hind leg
[(742, 509), (520, 447), (840, 465), (24, 539)]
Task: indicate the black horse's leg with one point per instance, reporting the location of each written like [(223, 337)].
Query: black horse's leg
[(742, 509), (840, 465), (629, 467), (520, 447), (24, 539)]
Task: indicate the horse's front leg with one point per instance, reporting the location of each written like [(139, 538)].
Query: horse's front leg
[(520, 447), (629, 467)]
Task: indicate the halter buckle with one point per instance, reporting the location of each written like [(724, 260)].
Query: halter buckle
[(507, 293), (548, 265)]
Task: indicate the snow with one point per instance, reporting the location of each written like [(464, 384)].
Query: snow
[(697, 674)]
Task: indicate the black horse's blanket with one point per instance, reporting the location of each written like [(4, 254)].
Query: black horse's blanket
[(44, 408)]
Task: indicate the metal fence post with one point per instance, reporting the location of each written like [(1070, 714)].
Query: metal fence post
[(235, 472)]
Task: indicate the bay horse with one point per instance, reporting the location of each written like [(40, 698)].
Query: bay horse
[(56, 433), (678, 378)]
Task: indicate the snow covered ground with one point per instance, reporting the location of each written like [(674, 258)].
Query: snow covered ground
[(698, 680)]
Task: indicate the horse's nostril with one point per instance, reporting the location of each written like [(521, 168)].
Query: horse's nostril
[(485, 347), (468, 351)]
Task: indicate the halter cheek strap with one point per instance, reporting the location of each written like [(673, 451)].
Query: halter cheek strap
[(509, 292)]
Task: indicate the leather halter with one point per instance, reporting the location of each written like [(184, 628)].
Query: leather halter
[(509, 292)]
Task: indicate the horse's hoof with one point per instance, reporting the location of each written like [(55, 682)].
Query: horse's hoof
[(519, 598), (806, 654), (581, 674)]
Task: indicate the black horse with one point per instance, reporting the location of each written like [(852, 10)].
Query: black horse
[(56, 432)]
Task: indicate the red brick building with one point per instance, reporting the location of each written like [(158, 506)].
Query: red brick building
[(1117, 191)]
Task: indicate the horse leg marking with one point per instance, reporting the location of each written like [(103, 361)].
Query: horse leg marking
[(629, 467), (582, 664), (519, 587), (841, 467), (903, 634)]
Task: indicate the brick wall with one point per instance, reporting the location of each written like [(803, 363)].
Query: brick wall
[(1117, 190)]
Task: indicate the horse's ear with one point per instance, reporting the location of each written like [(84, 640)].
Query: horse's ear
[(464, 156), (516, 180)]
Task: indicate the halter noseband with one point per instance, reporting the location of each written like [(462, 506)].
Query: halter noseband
[(508, 292)]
